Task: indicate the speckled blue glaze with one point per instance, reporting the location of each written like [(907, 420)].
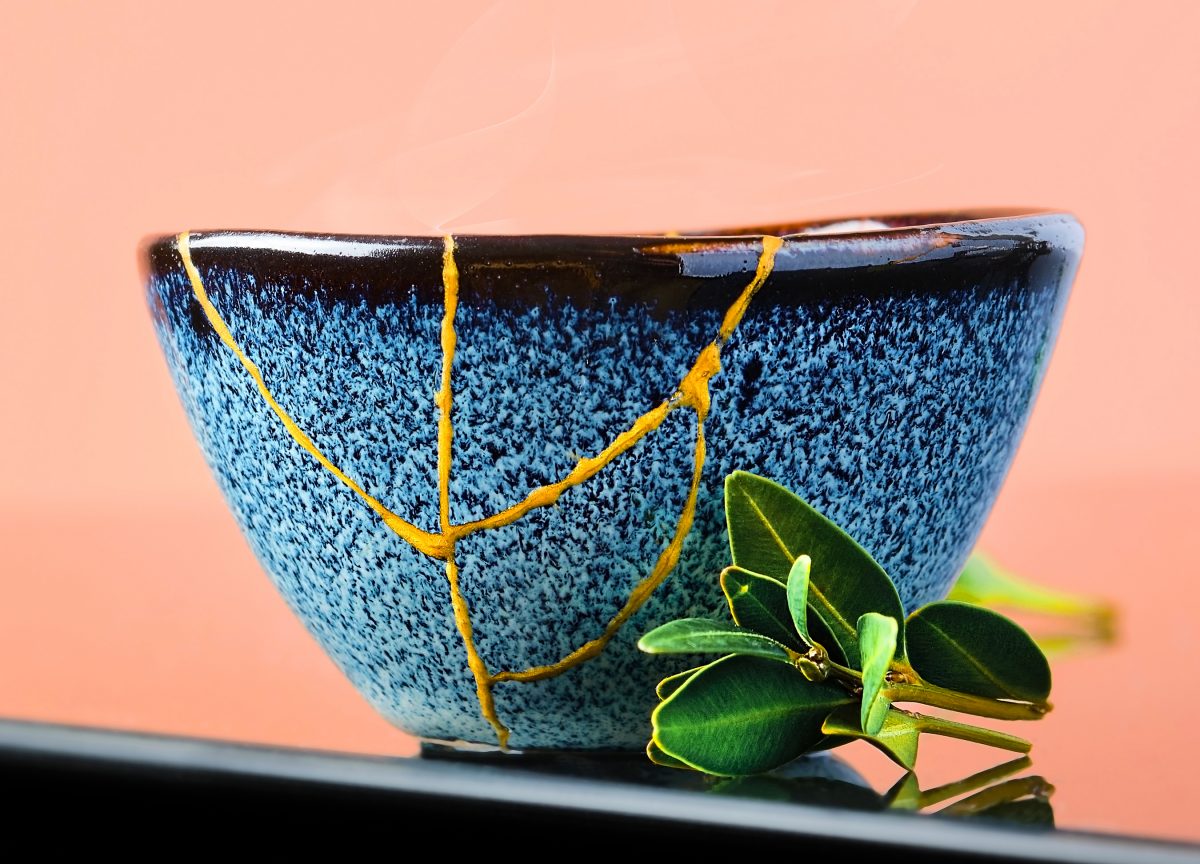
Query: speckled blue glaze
[(886, 376)]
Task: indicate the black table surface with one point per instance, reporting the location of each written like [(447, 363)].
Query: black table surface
[(93, 780)]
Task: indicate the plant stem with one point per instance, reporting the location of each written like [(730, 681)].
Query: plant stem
[(911, 688), (844, 674), (980, 706), (975, 734)]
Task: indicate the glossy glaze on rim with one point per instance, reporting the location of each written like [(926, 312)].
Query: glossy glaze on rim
[(895, 223), (675, 272)]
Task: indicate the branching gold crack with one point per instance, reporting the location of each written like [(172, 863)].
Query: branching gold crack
[(692, 393)]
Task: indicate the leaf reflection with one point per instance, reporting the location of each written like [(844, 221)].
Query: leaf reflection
[(828, 781)]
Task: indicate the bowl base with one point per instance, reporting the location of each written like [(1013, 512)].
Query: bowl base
[(618, 765)]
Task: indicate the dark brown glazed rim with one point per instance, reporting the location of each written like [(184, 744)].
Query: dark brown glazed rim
[(895, 222), (667, 271)]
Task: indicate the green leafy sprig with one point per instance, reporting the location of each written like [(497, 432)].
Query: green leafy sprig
[(820, 651)]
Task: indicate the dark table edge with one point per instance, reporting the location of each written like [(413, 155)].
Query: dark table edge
[(103, 750)]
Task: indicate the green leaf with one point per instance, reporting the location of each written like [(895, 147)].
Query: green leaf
[(877, 643), (797, 595), (702, 636), (770, 527), (985, 583), (671, 683), (744, 715), (1086, 621), (656, 755), (897, 737), (759, 603), (974, 650)]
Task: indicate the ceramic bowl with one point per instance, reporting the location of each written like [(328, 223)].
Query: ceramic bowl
[(469, 464)]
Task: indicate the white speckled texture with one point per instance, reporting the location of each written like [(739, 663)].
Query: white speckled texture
[(896, 411)]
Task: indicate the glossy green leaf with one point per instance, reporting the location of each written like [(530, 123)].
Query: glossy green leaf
[(744, 715), (702, 636), (770, 527), (671, 683), (974, 650), (759, 603), (877, 644), (897, 737), (797, 595), (656, 755)]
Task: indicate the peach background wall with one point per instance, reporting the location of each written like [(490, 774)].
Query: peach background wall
[(129, 598), (122, 119)]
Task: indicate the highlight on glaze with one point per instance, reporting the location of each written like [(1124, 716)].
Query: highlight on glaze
[(692, 392)]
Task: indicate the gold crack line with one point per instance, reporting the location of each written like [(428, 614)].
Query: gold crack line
[(688, 392), (666, 562), (431, 544), (438, 545), (693, 392), (445, 463)]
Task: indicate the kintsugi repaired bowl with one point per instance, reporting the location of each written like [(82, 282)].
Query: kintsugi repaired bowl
[(478, 468)]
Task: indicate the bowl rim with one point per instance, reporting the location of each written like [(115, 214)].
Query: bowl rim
[(855, 227)]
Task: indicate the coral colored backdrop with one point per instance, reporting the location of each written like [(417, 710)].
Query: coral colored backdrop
[(129, 598)]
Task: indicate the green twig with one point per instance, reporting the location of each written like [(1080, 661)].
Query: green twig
[(980, 706), (976, 734)]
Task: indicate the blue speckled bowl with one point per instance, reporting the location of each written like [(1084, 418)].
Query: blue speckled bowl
[(490, 566)]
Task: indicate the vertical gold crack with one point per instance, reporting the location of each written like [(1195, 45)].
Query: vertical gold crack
[(445, 397), (692, 392), (445, 403)]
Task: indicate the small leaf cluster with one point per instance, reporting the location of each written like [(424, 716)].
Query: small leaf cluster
[(820, 649)]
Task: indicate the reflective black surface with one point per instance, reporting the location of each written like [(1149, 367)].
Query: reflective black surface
[(95, 781)]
